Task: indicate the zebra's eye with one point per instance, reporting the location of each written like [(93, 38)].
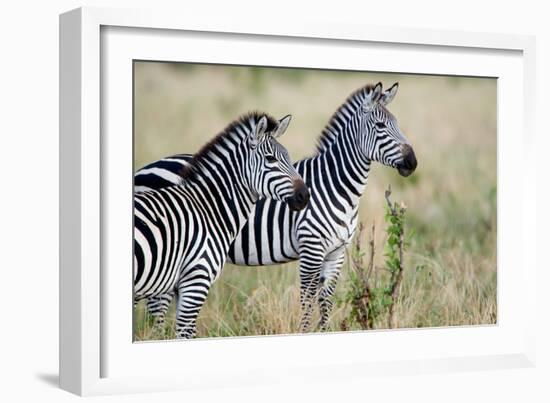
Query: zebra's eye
[(380, 125), (271, 159)]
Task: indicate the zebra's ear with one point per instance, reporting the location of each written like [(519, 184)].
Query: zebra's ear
[(389, 94), (258, 132), (281, 128), (372, 98)]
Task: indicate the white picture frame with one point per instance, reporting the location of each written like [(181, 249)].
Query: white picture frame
[(96, 354)]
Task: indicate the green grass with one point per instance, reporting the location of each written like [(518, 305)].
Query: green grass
[(450, 274)]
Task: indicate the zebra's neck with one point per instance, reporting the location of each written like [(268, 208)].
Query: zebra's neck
[(220, 191), (344, 167)]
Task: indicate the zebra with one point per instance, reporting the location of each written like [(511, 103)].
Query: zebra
[(182, 232), (361, 130)]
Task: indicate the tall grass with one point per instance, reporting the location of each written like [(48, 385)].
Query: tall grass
[(450, 275)]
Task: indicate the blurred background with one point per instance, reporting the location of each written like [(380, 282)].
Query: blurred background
[(450, 275)]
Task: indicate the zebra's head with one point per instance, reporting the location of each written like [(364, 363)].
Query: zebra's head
[(381, 139), (271, 172)]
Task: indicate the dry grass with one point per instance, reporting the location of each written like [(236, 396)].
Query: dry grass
[(450, 276)]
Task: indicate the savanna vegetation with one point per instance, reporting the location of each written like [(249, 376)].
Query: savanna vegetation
[(449, 264)]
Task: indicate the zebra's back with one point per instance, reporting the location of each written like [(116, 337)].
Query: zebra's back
[(162, 173)]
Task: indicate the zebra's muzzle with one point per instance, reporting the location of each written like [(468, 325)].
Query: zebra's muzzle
[(300, 198), (408, 164)]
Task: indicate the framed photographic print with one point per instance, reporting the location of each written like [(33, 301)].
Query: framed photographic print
[(238, 197)]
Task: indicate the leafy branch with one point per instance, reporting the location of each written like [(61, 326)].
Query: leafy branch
[(373, 292)]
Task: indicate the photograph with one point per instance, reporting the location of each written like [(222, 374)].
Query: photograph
[(278, 201)]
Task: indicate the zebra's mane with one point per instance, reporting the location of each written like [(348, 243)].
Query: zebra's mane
[(341, 117), (245, 122)]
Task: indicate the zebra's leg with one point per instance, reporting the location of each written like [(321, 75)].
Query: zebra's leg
[(158, 307), (192, 292), (329, 279), (311, 261)]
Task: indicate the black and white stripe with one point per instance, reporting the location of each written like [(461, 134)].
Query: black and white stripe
[(362, 130), (182, 232)]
